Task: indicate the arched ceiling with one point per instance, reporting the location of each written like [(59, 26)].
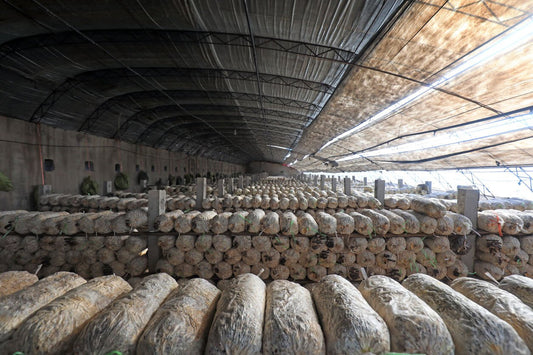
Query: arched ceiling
[(226, 79), (342, 85)]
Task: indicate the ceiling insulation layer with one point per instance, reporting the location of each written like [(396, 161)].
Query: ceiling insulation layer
[(439, 49), (226, 79)]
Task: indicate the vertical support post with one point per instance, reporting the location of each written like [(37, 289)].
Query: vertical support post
[(347, 186), (156, 207), (334, 184), (322, 182), (428, 185), (365, 181), (42, 190), (241, 182), (467, 205), (400, 183), (108, 187), (247, 181), (231, 187), (315, 180), (379, 190), (201, 191), (45, 190), (221, 188)]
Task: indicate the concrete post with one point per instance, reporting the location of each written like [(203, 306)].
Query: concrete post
[(334, 184), (467, 205), (231, 187), (45, 190), (400, 183), (156, 207), (201, 191), (41, 191), (347, 186), (365, 181), (247, 181), (322, 182), (428, 185), (221, 188), (241, 182), (315, 180), (379, 190), (108, 187), (144, 184)]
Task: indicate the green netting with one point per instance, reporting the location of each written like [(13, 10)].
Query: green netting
[(121, 181), (5, 183), (89, 186)]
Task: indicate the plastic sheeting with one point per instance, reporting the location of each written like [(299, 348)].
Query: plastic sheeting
[(203, 63), (430, 40)]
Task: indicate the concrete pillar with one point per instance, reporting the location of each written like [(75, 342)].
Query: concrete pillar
[(365, 181), (156, 207), (201, 191), (322, 182), (467, 205), (247, 181), (347, 186), (45, 190), (241, 182), (144, 184), (221, 187), (400, 183), (315, 180), (231, 187), (108, 187), (334, 184), (379, 190), (428, 185)]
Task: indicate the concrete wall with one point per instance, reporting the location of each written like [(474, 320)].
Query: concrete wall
[(273, 169), (19, 160)]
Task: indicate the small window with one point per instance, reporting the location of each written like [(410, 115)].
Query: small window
[(137, 168), (49, 165), (165, 168), (89, 165), (153, 168), (117, 167)]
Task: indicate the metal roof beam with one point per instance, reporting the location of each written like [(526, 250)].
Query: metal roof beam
[(177, 36), (273, 115), (103, 107)]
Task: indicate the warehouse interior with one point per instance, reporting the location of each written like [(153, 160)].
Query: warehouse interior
[(259, 158)]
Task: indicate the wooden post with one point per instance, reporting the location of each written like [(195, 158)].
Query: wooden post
[(201, 191), (241, 182), (156, 207), (334, 184), (322, 182), (365, 181), (379, 190), (221, 188), (247, 181), (315, 180), (467, 205), (347, 186), (400, 183)]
